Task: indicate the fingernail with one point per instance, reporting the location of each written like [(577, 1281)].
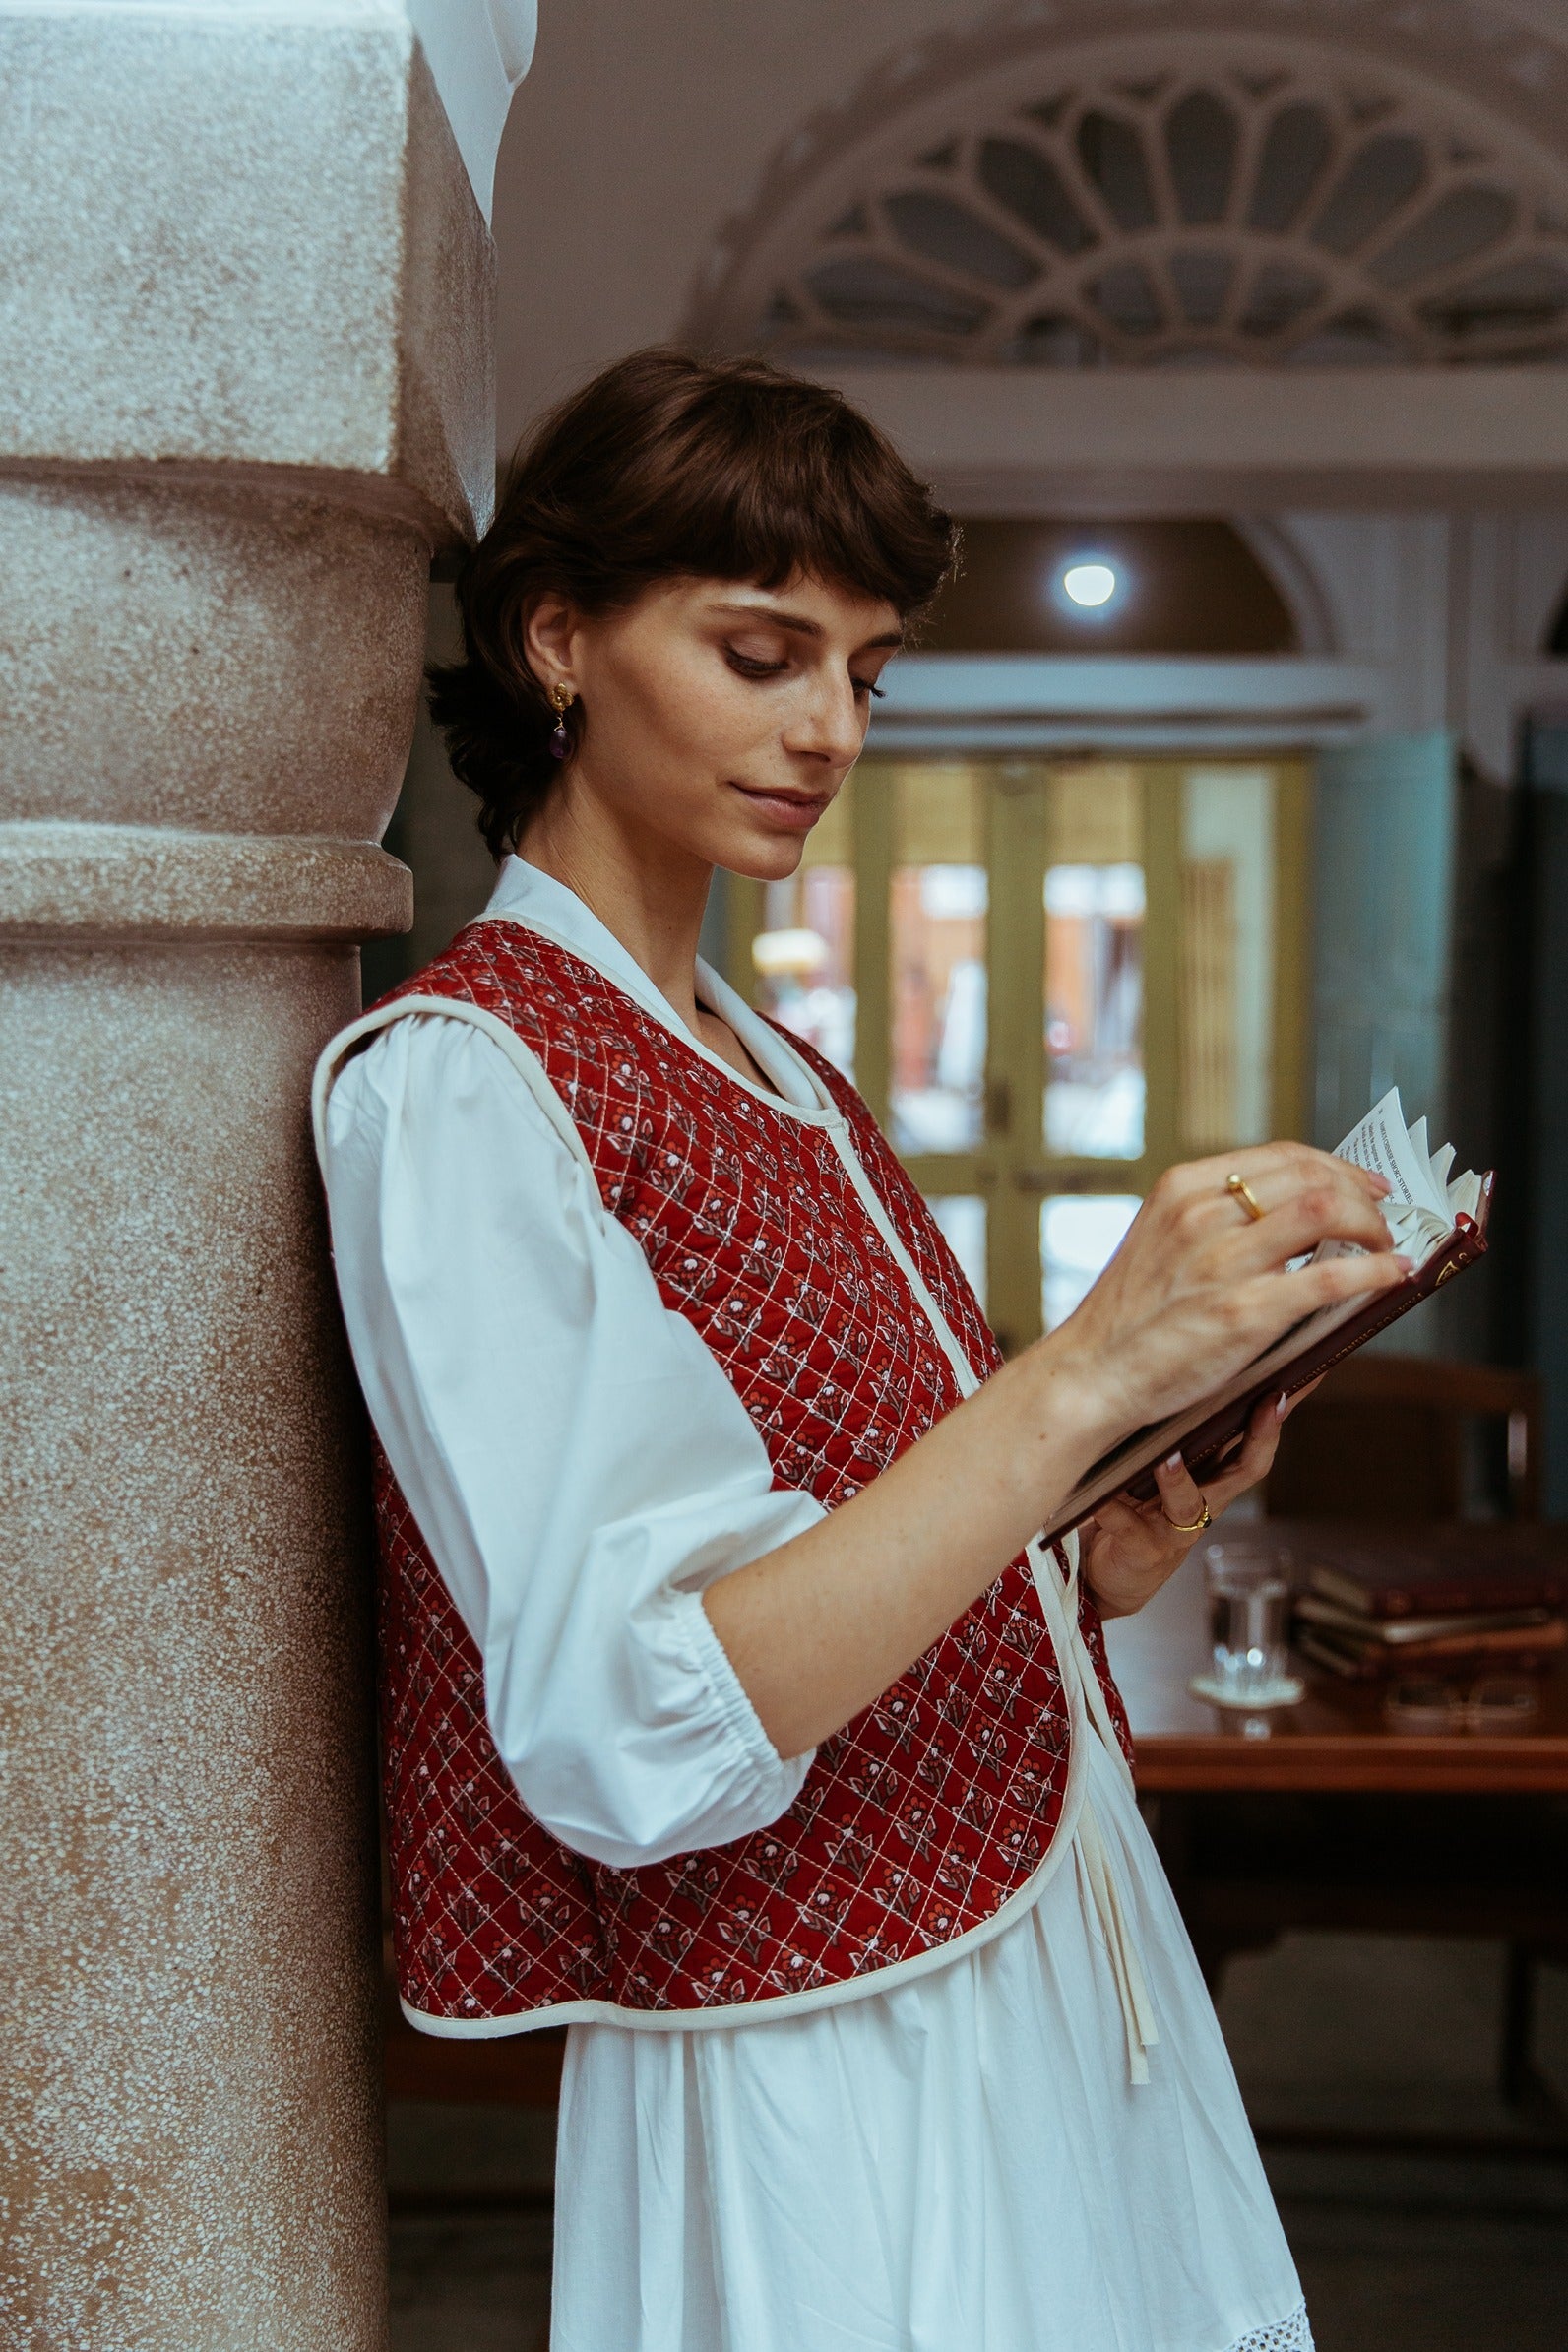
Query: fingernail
[(1381, 1186), (1406, 1265), (1281, 1406), (1172, 1461)]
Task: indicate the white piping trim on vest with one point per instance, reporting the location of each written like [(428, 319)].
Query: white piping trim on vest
[(522, 1058), (1080, 1682), (726, 2016), (822, 1113), (1047, 1582), (1059, 1608)]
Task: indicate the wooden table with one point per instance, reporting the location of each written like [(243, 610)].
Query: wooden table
[(1313, 1817), (1336, 1739)]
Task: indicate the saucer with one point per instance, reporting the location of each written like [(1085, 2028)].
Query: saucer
[(1283, 1691)]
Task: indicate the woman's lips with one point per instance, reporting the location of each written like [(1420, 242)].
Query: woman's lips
[(799, 815)]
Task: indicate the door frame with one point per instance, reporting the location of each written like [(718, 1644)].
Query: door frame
[(1010, 1170)]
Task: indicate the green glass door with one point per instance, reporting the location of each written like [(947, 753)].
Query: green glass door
[(1051, 979)]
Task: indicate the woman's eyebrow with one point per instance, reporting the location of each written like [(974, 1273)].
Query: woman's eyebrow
[(802, 627), (796, 621)]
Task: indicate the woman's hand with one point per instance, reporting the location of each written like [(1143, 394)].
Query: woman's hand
[(818, 1628), (1130, 1549), (1199, 1288)]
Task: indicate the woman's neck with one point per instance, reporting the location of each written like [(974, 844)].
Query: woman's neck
[(648, 894)]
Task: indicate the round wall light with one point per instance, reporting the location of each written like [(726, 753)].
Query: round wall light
[(1089, 583)]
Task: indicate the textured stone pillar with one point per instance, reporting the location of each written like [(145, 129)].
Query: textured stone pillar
[(244, 392)]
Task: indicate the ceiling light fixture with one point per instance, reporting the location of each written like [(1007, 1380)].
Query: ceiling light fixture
[(1091, 582)]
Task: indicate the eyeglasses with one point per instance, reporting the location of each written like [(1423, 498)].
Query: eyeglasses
[(1496, 1703)]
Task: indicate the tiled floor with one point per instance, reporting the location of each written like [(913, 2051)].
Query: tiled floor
[(467, 2274), (480, 2284), (1387, 2277), (1404, 2254), (1397, 2254)]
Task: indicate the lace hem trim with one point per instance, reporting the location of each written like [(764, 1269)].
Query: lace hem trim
[(1292, 2334)]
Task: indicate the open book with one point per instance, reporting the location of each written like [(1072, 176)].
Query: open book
[(1424, 1206), (1437, 1221)]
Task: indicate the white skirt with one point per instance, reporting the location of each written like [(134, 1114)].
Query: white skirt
[(957, 2165)]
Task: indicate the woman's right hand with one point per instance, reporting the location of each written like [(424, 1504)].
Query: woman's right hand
[(818, 1628), (1199, 1288)]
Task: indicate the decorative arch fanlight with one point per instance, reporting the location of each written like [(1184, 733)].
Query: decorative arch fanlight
[(1162, 200)]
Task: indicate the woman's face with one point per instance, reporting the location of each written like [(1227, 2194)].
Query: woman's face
[(718, 718)]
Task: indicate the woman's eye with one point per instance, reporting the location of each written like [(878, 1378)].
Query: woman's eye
[(750, 666), (863, 685)]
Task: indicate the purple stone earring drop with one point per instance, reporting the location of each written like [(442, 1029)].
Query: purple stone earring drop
[(561, 701)]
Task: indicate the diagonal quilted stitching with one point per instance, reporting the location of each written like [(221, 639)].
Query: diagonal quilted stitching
[(921, 1819)]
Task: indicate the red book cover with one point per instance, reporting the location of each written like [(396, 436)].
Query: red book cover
[(1208, 1431), (1519, 1652), (1438, 1576)]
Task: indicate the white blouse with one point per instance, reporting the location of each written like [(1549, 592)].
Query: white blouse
[(958, 2159)]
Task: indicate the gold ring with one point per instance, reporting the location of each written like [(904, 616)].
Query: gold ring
[(1197, 1527), (1239, 1189)]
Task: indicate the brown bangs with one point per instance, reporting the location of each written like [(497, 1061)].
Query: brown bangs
[(667, 465)]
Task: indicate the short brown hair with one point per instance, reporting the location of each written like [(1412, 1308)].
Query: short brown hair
[(667, 467)]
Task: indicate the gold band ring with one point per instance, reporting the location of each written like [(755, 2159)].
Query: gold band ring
[(1241, 1190), (1197, 1526)]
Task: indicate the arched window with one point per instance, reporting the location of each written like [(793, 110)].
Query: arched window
[(1157, 203)]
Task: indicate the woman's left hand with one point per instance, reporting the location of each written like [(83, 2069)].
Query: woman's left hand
[(1130, 1549)]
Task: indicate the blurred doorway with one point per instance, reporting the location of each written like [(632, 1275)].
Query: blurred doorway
[(1051, 977)]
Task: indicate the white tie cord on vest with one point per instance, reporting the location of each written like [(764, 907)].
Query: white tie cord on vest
[(1132, 1990), (1058, 1594), (1137, 2013)]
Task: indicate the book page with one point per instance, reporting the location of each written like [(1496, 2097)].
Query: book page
[(1465, 1195), (1419, 1213), (1383, 1145), (1416, 1212)]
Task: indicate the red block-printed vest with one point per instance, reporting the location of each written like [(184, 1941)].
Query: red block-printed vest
[(923, 1818)]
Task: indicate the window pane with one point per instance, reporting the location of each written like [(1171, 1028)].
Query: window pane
[(1079, 1234), (1228, 956), (938, 933), (1094, 964), (804, 954), (962, 1219)]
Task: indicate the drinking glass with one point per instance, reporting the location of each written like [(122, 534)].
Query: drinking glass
[(1247, 1585)]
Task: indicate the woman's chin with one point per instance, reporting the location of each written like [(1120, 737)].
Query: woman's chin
[(760, 855)]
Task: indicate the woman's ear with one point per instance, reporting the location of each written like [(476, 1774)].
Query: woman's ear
[(549, 635)]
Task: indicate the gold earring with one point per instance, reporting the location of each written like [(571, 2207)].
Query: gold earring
[(561, 701)]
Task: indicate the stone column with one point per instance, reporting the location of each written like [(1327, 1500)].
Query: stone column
[(245, 334)]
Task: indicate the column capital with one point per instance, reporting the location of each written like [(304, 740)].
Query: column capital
[(264, 248)]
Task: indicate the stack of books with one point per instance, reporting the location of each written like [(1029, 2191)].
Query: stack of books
[(1422, 1606)]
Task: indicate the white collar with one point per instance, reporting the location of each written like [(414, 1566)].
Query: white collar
[(522, 894)]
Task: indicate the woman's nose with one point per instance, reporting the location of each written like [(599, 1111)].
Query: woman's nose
[(830, 726)]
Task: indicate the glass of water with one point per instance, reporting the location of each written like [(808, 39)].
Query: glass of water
[(1248, 1587)]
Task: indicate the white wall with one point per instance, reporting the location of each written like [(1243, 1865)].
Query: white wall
[(640, 128), (1452, 611)]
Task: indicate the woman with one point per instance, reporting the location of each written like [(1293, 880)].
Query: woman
[(733, 1713)]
